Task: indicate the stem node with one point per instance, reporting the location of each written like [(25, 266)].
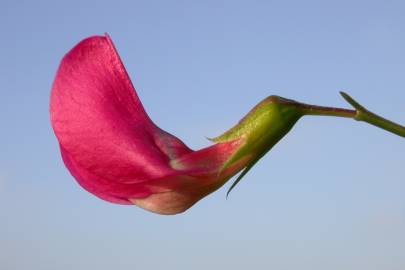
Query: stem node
[(362, 114)]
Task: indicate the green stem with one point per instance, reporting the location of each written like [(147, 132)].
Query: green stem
[(307, 109), (360, 114)]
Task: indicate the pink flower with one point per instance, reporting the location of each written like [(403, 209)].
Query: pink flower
[(114, 150)]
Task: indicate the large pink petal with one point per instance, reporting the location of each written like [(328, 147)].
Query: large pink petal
[(100, 121), (111, 146)]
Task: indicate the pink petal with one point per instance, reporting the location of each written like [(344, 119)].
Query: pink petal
[(112, 147), (100, 121)]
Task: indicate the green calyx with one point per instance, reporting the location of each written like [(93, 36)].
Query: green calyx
[(260, 130), (270, 120)]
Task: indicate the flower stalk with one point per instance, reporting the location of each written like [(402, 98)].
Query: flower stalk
[(360, 114)]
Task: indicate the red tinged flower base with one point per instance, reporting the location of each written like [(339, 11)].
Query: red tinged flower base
[(114, 150)]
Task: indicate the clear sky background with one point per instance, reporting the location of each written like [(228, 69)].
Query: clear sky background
[(330, 195)]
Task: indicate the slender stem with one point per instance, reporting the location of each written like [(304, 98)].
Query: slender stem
[(360, 114), (326, 111)]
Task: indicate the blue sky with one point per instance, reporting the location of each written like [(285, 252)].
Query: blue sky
[(330, 195)]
